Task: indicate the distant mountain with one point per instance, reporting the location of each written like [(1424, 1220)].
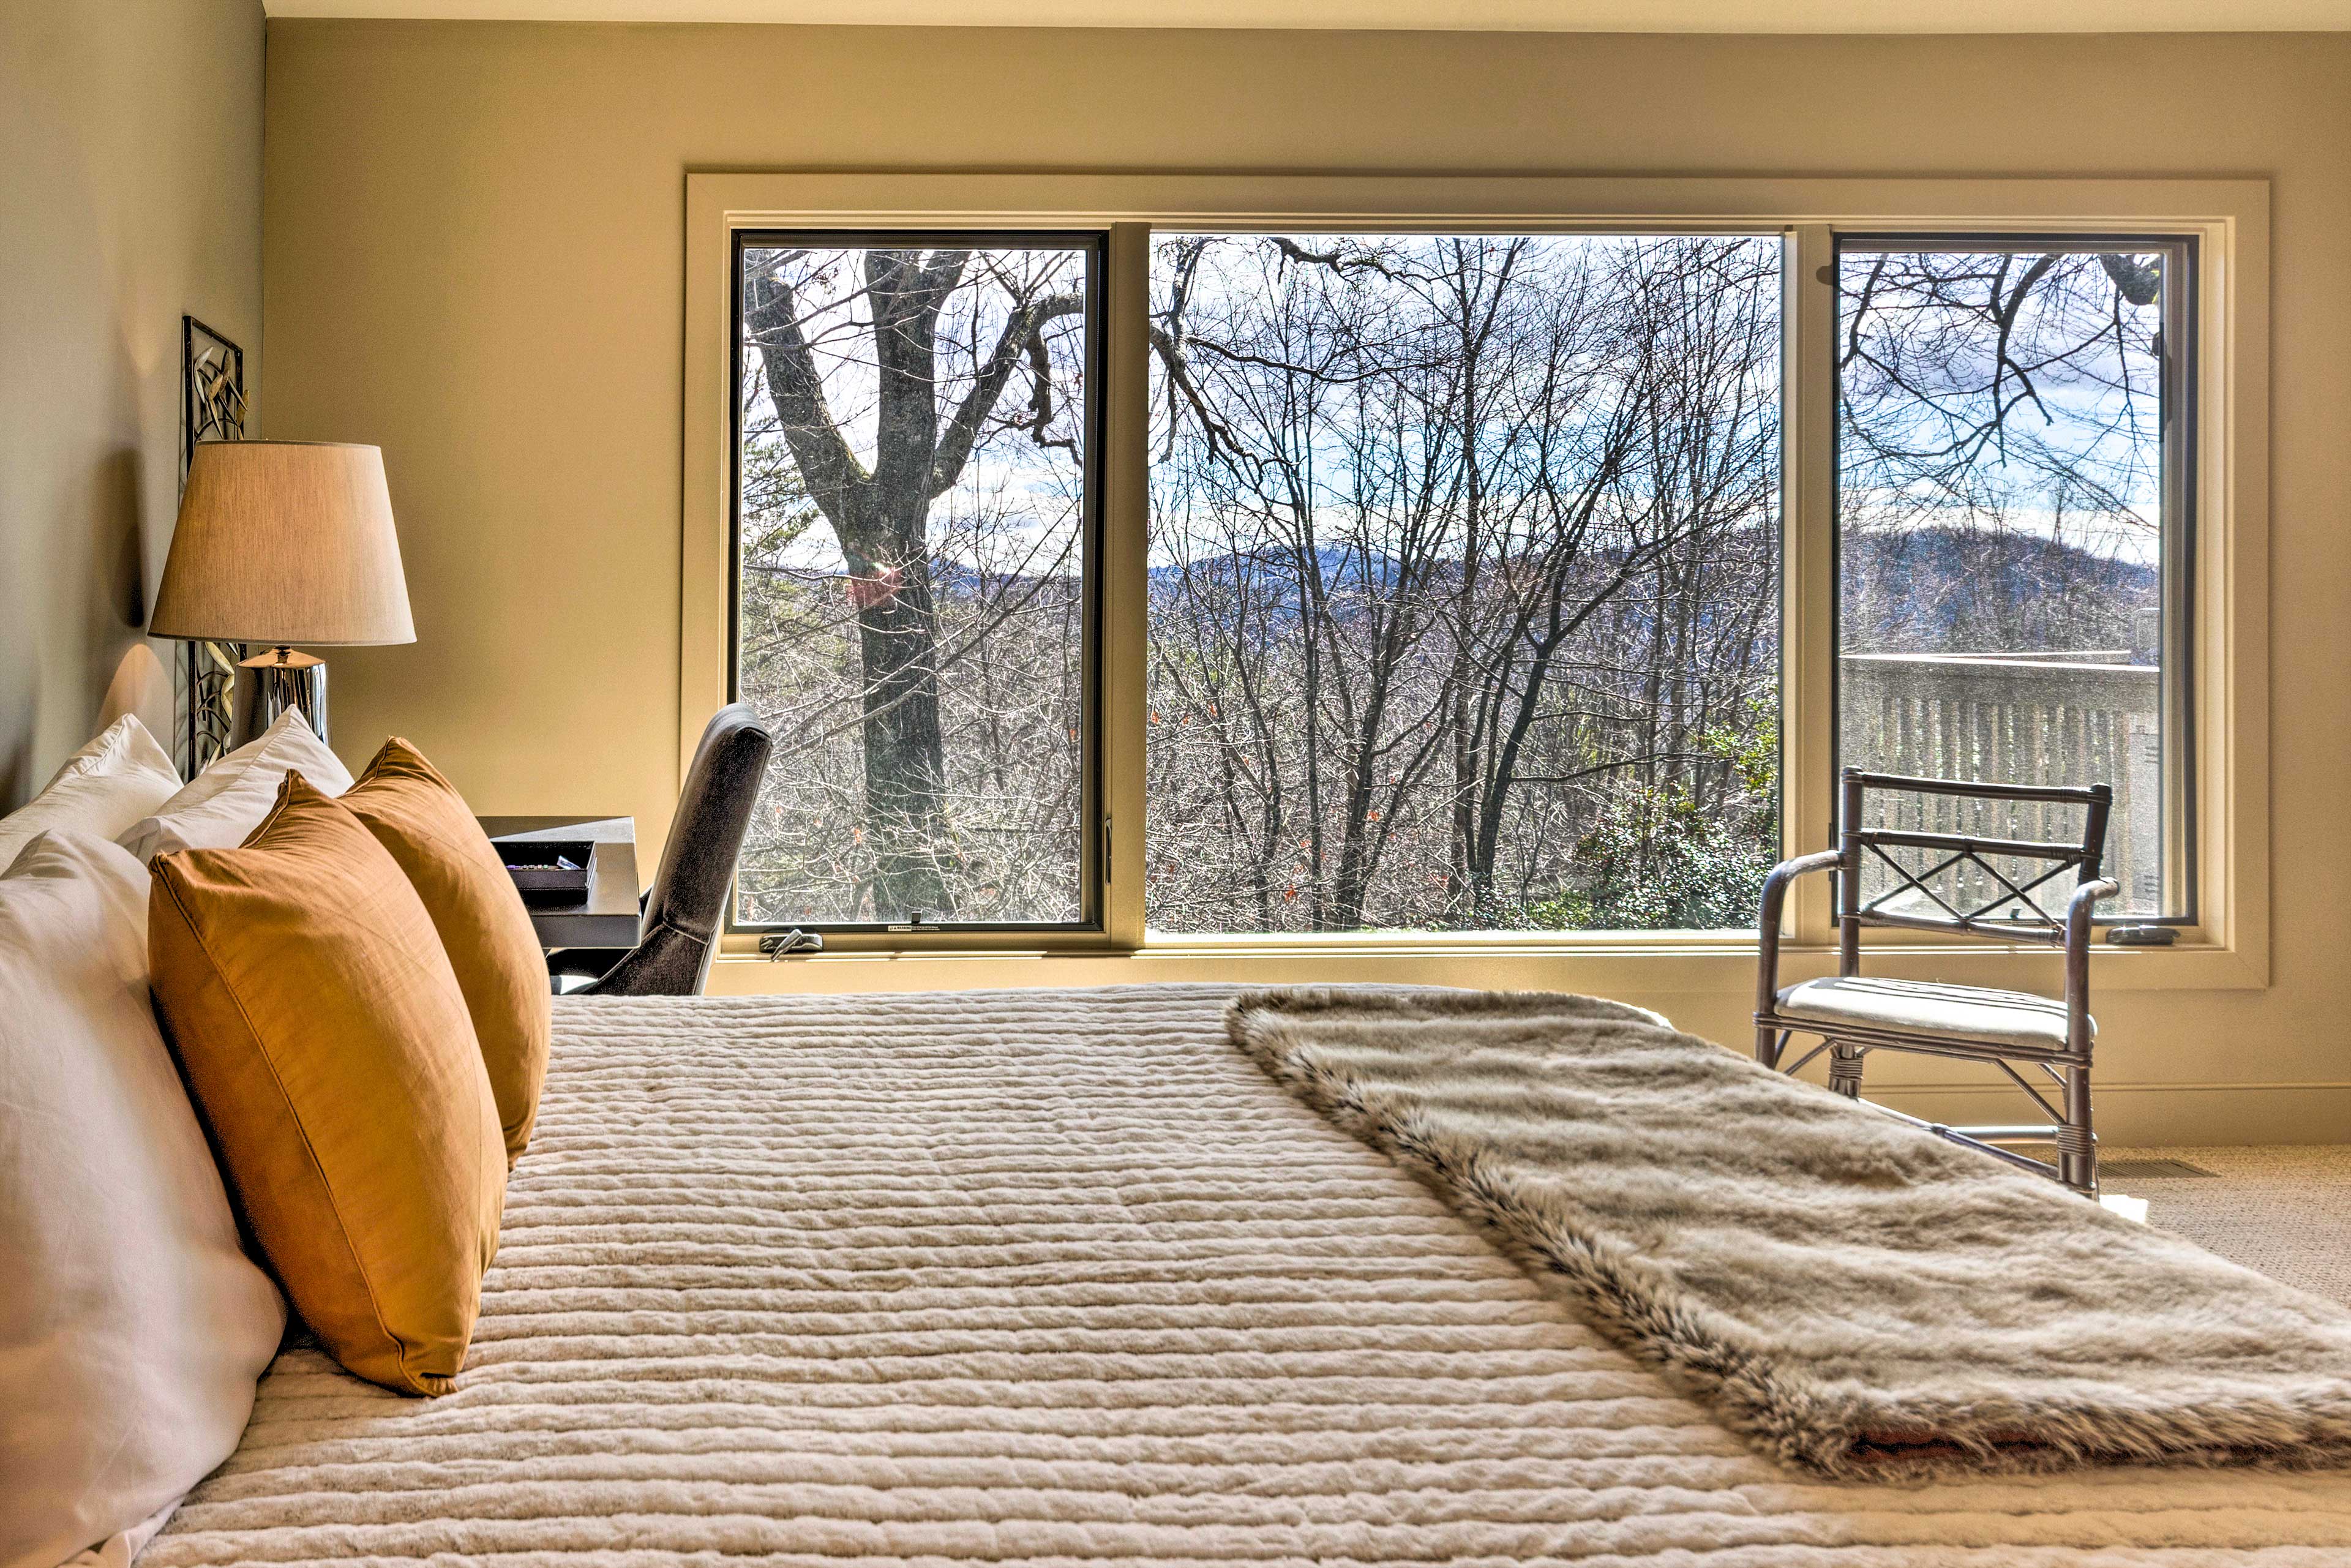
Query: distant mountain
[(1923, 590), (1956, 591)]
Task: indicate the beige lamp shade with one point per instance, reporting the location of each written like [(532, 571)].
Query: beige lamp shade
[(284, 542)]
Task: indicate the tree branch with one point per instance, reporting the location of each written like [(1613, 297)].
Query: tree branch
[(1337, 261), (1026, 321), (835, 480)]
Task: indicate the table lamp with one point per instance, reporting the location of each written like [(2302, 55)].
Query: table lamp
[(280, 542)]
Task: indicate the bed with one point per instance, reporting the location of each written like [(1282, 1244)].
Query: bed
[(1051, 1277)]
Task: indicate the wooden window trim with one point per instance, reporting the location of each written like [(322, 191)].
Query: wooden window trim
[(2227, 948)]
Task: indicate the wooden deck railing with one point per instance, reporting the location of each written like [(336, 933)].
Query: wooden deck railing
[(2080, 718)]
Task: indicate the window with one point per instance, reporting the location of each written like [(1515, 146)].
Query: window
[(915, 455), (1305, 578), (1464, 581), (2012, 533)]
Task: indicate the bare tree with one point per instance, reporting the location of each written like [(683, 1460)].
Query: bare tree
[(880, 512), (1999, 437), (1401, 485), (1463, 567)]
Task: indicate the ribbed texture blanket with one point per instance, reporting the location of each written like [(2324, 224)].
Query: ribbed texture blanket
[(1059, 1278)]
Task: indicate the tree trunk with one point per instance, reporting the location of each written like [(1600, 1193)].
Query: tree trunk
[(905, 757)]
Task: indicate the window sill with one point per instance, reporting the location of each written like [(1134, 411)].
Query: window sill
[(1628, 963)]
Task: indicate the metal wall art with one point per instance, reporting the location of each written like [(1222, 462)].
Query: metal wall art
[(212, 407)]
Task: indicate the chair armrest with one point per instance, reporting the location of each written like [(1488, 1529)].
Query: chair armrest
[(2079, 912), (1767, 919), (2082, 906), (671, 961), (584, 963)]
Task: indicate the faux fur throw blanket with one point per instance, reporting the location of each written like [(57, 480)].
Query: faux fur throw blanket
[(1852, 1294)]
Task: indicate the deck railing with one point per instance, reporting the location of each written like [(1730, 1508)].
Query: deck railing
[(2076, 717)]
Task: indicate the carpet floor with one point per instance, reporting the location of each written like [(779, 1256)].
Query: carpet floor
[(2285, 1211)]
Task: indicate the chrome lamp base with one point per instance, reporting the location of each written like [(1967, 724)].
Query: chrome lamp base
[(284, 679)]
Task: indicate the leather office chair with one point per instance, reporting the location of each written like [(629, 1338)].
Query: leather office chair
[(686, 909)]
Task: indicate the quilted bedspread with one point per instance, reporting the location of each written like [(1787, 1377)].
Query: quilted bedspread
[(1060, 1277)]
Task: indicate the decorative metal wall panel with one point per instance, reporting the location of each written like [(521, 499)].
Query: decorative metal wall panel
[(212, 407)]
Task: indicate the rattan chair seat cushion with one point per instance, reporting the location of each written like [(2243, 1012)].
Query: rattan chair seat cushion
[(1913, 1007)]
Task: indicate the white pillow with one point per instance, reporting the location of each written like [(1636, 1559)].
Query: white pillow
[(133, 1328), (222, 805), (103, 789)]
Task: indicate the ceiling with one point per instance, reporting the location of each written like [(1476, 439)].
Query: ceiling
[(1527, 15)]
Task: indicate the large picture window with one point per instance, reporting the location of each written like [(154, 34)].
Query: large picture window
[(2012, 529), (1464, 581), (1304, 578), (914, 454)]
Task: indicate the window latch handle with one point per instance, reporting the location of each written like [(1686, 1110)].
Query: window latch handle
[(778, 945)]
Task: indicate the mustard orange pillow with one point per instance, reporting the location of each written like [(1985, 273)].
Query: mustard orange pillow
[(326, 1047), (419, 816)]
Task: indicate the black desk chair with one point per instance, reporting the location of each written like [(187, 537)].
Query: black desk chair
[(686, 909), (1955, 889)]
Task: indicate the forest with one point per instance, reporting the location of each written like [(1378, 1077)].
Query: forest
[(1462, 562)]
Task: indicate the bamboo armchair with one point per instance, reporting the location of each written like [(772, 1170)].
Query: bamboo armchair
[(1853, 1015)]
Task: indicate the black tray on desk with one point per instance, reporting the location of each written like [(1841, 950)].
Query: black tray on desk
[(548, 871)]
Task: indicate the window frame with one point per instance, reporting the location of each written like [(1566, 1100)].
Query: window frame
[(1093, 842), (1160, 940), (2178, 585), (2227, 945)]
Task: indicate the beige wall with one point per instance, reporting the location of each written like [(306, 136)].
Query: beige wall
[(474, 236), (130, 193)]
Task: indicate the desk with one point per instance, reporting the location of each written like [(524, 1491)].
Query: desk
[(608, 916)]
